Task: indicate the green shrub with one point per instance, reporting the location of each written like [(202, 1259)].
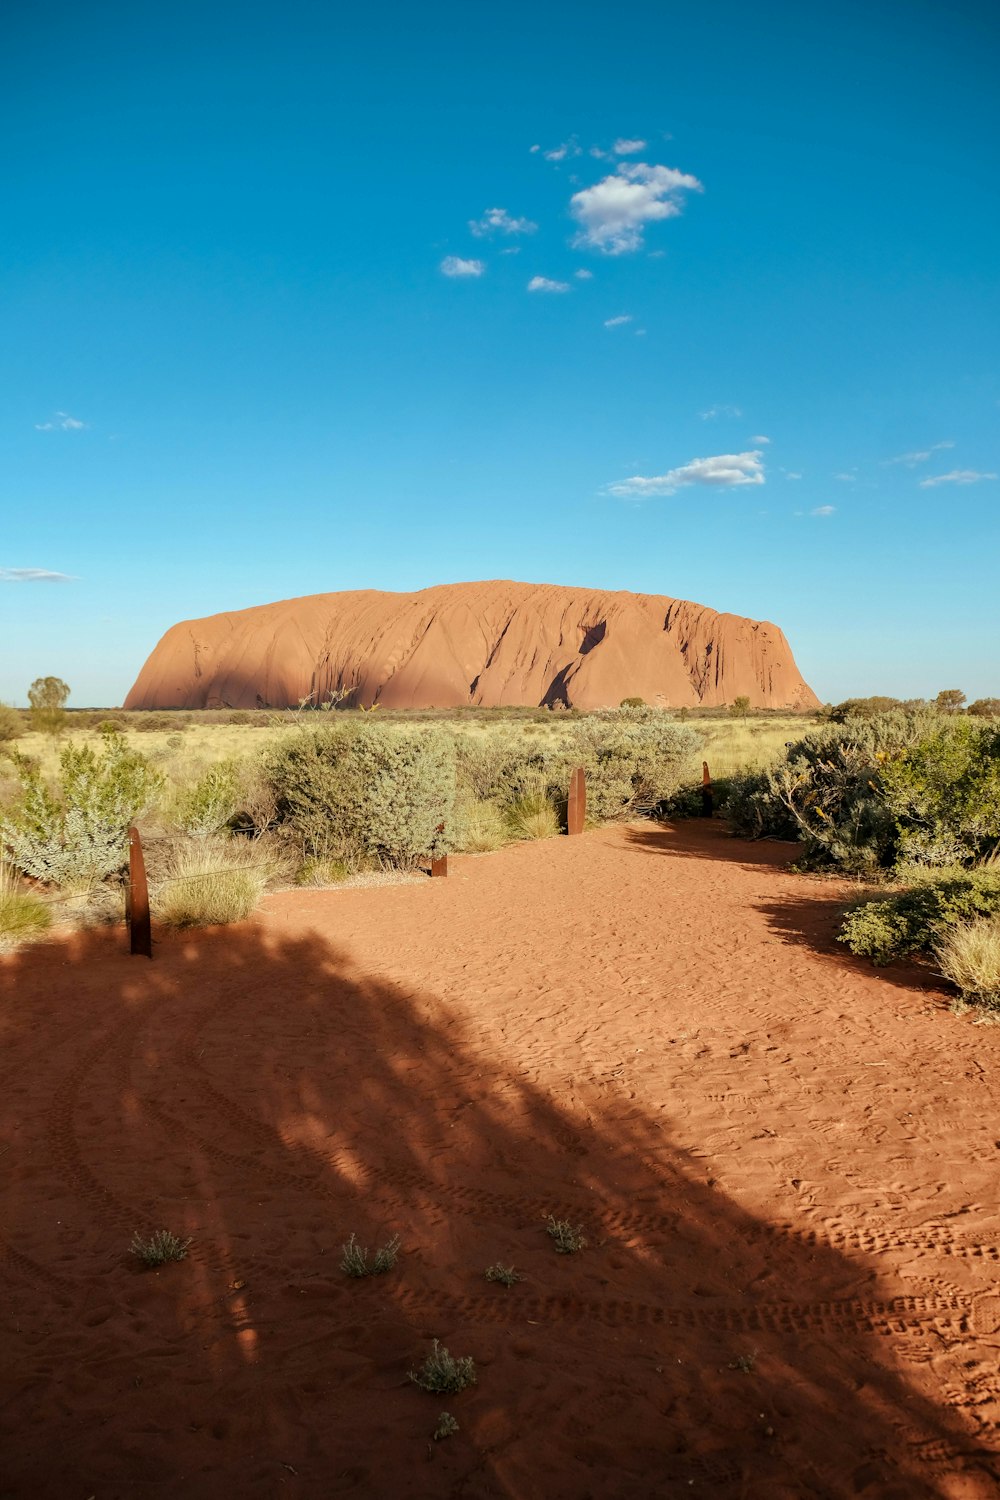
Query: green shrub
[(499, 766), (354, 1259), (47, 696), (633, 757), (209, 804), (440, 1372), (159, 1248), (367, 791), (982, 708), (943, 790), (968, 954), (863, 708), (76, 835), (209, 883), (11, 724), (917, 918), (632, 703), (567, 1238), (322, 872), (478, 827), (532, 816), (752, 807)]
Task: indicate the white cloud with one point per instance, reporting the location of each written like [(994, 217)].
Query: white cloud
[(823, 510), (792, 474), (560, 152), (613, 214), (498, 220), (61, 422), (846, 478), (721, 411), (511, 250), (533, 149), (625, 147), (34, 575), (543, 284), (617, 322), (584, 275), (957, 476), (731, 470), (761, 442), (920, 457), (454, 265)]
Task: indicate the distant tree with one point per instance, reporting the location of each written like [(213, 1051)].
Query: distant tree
[(739, 708), (632, 703), (949, 701), (863, 708), (47, 696), (985, 708)]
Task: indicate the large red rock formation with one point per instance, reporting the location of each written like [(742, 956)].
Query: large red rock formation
[(468, 644)]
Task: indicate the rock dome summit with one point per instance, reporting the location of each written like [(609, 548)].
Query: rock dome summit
[(460, 645)]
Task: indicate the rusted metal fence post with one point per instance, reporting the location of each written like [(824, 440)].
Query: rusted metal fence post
[(137, 900), (576, 803), (439, 864), (707, 800)]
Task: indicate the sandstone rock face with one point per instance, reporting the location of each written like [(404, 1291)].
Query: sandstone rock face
[(467, 644)]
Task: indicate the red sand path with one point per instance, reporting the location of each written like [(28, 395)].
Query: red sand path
[(777, 1154)]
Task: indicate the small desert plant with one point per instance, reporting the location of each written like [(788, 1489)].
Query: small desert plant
[(321, 872), (446, 1427), (160, 1247), (969, 955), (566, 1237), (745, 1363), (506, 1275), (206, 806), (440, 1373), (479, 827), (75, 836), (354, 1258), (532, 816), (209, 883), (22, 915), (915, 919)]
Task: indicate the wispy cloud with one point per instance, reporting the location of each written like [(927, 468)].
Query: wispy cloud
[(583, 274), (792, 474), (721, 411), (824, 510), (760, 441), (920, 456), (617, 322), (61, 422), (614, 213), (957, 476), (543, 284), (729, 470), (846, 478), (499, 221), (34, 575), (454, 265), (623, 146), (560, 152)]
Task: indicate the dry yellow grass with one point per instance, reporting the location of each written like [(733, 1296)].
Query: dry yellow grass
[(211, 882), (23, 916), (969, 955)]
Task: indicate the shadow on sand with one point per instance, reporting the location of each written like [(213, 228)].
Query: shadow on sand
[(254, 1092)]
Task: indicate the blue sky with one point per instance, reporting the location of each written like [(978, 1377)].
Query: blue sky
[(724, 324)]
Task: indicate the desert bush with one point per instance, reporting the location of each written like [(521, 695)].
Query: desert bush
[(440, 1372), (532, 815), (753, 808), (982, 708), (322, 872), (863, 708), (207, 805), (634, 702), (211, 882), (22, 915), (11, 724), (446, 1427), (506, 1275), (47, 696), (968, 954), (567, 1238), (499, 766), (354, 1260), (943, 789), (633, 757), (367, 791), (75, 836), (919, 917)]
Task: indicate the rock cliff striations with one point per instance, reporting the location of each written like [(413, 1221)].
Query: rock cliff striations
[(472, 644)]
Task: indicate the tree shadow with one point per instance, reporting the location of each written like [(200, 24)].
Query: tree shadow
[(710, 838), (256, 1092)]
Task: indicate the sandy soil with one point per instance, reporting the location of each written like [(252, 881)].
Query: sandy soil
[(785, 1163)]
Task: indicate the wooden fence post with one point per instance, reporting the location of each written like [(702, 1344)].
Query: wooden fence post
[(576, 804), (439, 865), (707, 800), (137, 900)]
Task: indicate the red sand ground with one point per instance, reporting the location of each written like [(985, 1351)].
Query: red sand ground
[(777, 1154)]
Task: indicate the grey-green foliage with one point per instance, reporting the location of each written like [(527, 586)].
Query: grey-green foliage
[(829, 789), (440, 1372), (367, 791), (11, 724), (502, 765), (75, 833), (206, 806), (567, 1238), (355, 1260), (633, 757), (915, 919), (159, 1248)]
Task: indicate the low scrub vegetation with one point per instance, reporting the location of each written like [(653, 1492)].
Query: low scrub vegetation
[(355, 1259), (969, 955), (23, 915), (158, 1248), (440, 1373), (209, 882), (916, 918)]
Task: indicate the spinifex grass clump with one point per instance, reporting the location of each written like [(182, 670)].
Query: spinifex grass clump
[(22, 915), (446, 1427), (506, 1275), (441, 1373), (355, 1262), (160, 1247), (566, 1237), (969, 955)]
